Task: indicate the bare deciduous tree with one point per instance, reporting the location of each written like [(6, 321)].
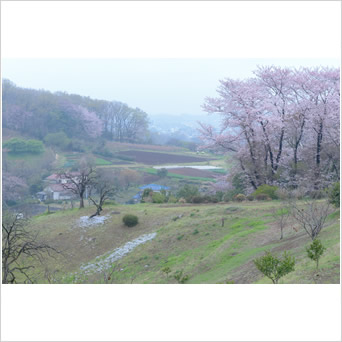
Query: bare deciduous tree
[(282, 216), (18, 242), (80, 182), (106, 186), (310, 215)]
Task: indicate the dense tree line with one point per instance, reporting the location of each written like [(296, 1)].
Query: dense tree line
[(39, 113), (124, 124), (282, 125)]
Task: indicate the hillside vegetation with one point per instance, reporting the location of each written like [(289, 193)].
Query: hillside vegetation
[(190, 241)]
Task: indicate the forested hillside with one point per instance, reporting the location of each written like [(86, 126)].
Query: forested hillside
[(40, 114)]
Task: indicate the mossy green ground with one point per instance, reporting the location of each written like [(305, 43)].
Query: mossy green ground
[(190, 238)]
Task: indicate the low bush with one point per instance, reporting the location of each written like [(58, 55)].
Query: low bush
[(250, 198), (240, 198), (182, 200), (267, 190), (130, 220)]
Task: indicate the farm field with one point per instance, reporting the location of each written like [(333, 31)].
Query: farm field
[(193, 172), (131, 155), (181, 176), (157, 158), (142, 159), (188, 238), (117, 146)]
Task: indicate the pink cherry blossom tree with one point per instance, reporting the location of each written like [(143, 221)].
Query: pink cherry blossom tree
[(280, 119), (91, 123)]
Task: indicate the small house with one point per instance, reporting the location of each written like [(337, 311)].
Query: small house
[(57, 192), (54, 189)]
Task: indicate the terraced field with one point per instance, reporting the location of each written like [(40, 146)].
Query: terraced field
[(158, 158), (187, 171)]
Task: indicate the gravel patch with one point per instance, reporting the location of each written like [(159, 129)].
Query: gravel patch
[(85, 221), (103, 262)]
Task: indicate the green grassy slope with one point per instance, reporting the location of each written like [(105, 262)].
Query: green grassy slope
[(195, 243)]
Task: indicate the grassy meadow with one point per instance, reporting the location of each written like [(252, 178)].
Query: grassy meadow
[(189, 239)]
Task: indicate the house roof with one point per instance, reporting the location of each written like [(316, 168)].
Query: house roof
[(154, 187), (57, 188), (56, 176)]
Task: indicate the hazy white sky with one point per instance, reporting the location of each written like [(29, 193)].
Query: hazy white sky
[(172, 86), (161, 56)]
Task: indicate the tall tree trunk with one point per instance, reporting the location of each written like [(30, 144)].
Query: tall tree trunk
[(81, 202), (268, 147), (318, 155), (255, 167), (248, 175), (280, 148), (295, 151)]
